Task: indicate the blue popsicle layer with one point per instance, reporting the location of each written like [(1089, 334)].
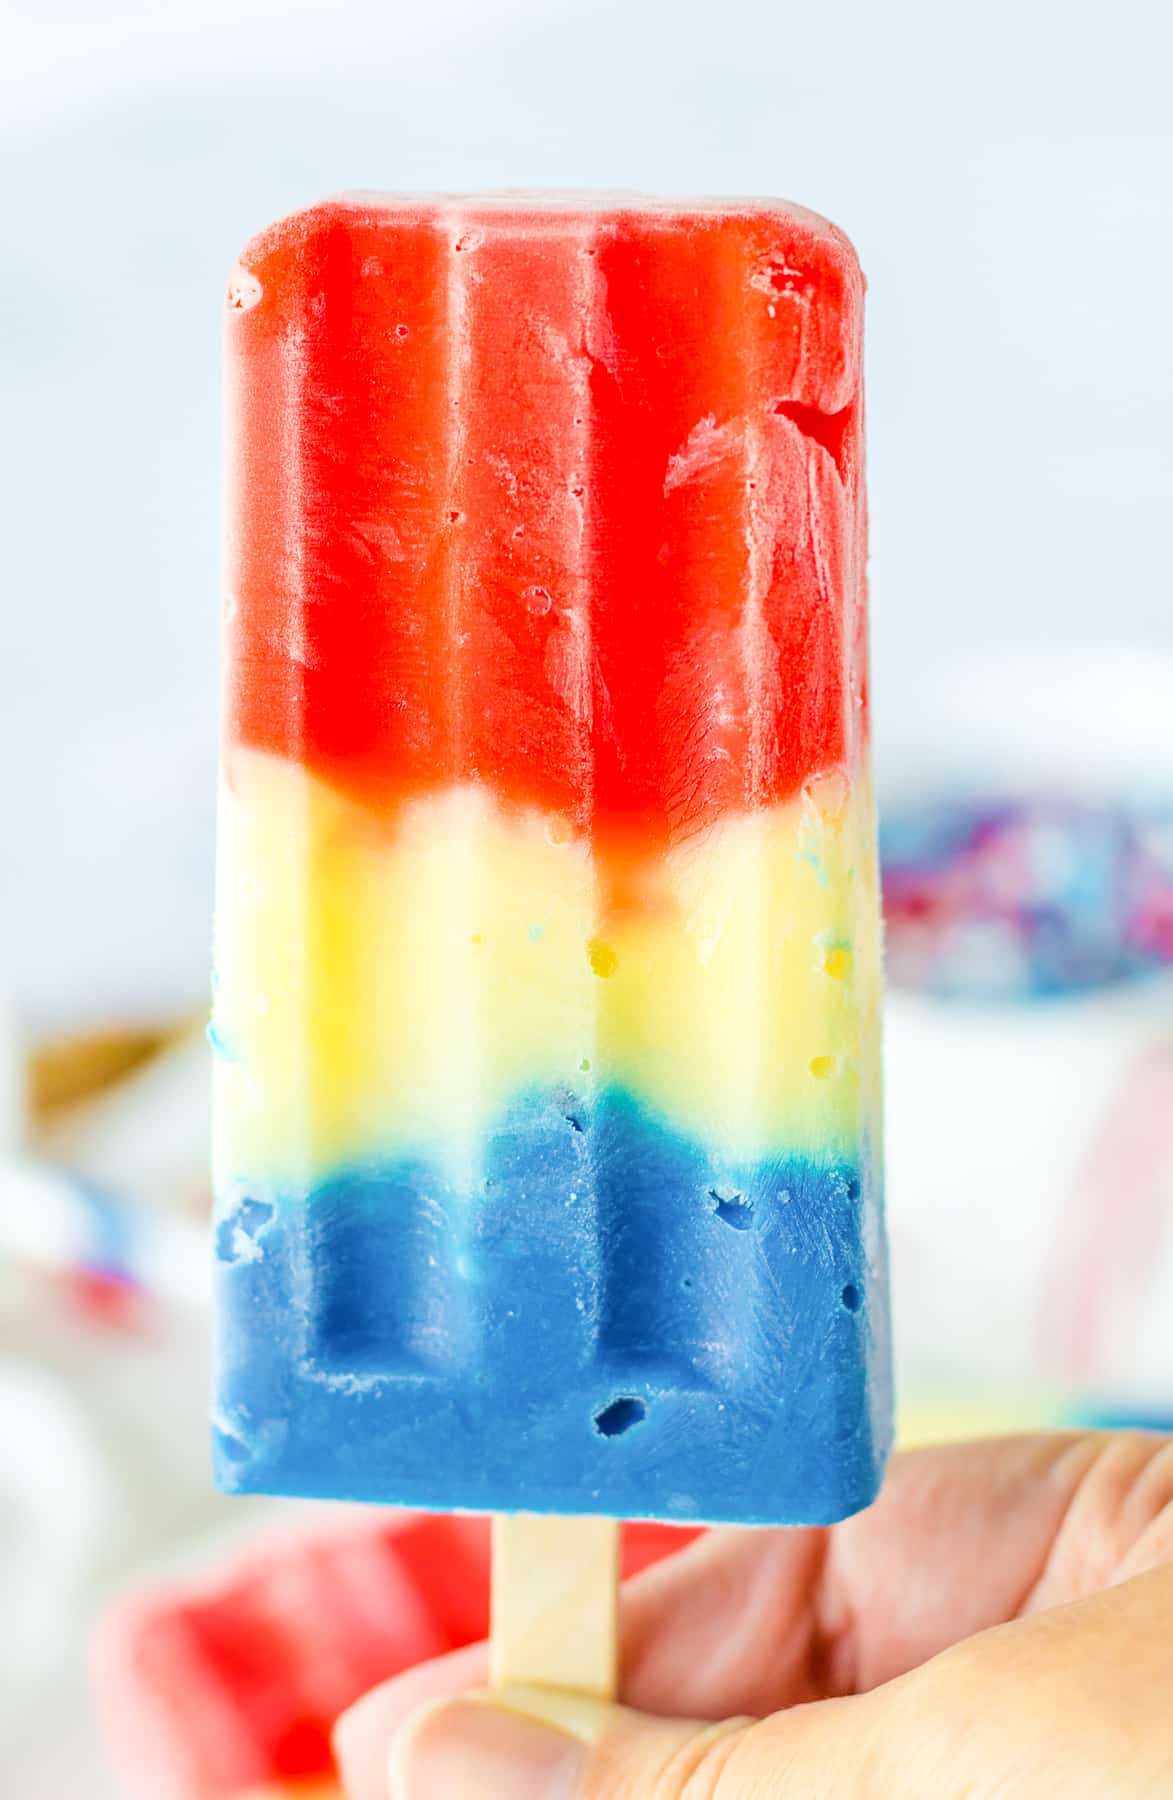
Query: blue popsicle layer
[(609, 1319)]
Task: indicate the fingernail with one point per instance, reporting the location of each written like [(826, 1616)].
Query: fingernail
[(512, 1744)]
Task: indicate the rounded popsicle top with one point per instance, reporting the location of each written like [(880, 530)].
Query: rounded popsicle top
[(802, 270), (556, 204), (560, 494)]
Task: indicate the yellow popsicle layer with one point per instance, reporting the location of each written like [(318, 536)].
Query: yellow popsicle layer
[(389, 986)]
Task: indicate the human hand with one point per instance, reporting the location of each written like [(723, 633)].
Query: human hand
[(999, 1623)]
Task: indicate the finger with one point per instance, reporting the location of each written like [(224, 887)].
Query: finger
[(963, 1537), (363, 1735), (1072, 1701), (538, 1744), (1119, 1523), (535, 1744), (749, 1621)]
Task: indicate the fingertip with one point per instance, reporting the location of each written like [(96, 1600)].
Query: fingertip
[(466, 1746), (360, 1737), (364, 1733)]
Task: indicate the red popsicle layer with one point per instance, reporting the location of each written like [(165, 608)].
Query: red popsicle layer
[(529, 494)]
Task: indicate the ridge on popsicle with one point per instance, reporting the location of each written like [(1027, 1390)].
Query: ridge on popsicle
[(548, 1142)]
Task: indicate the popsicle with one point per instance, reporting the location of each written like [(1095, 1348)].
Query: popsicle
[(217, 1684), (546, 1012)]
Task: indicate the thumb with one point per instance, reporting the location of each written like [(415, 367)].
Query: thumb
[(529, 1743)]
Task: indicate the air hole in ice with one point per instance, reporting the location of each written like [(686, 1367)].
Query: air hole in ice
[(851, 1297), (822, 1067), (826, 429), (732, 1209), (244, 290), (574, 1123), (620, 1415), (231, 1449), (538, 601), (236, 1236)]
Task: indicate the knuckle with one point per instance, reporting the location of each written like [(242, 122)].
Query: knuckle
[(1125, 1500), (697, 1769)]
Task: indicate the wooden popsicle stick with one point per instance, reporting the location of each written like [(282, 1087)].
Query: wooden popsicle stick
[(555, 1603)]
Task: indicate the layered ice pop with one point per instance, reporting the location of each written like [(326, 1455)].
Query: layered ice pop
[(548, 1158)]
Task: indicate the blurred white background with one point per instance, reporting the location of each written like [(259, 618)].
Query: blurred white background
[(1006, 174), (1004, 171)]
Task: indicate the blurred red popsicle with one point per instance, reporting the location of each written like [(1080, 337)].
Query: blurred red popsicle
[(228, 1684)]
